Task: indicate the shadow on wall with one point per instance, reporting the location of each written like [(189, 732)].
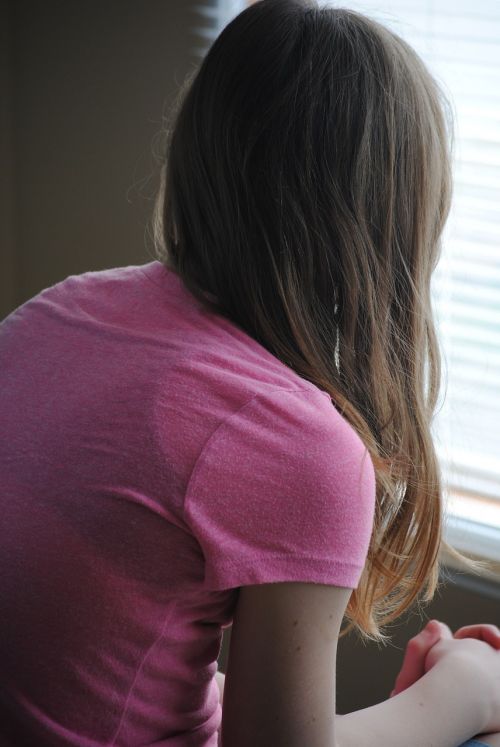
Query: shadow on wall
[(86, 85)]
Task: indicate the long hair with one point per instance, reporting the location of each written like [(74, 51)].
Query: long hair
[(305, 185)]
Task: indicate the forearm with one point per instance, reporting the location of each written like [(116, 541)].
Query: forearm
[(443, 708), (220, 678)]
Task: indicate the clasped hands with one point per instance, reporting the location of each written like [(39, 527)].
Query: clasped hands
[(418, 647)]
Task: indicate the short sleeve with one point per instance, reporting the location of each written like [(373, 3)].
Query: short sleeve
[(283, 490)]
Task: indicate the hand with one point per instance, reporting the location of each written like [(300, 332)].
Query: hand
[(415, 663), (476, 663), (483, 632), (416, 652)]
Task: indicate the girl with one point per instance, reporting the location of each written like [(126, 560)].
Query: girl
[(239, 431)]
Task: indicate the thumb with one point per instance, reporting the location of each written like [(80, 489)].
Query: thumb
[(413, 666)]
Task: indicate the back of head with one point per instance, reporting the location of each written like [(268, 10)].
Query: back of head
[(306, 184)]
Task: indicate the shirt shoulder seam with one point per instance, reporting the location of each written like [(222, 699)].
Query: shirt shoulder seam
[(224, 422)]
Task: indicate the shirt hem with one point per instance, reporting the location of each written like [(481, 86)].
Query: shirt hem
[(281, 568)]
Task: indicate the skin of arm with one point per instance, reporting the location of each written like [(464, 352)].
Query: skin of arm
[(437, 710), (411, 673), (444, 708), (414, 660), (220, 681), (220, 678), (419, 646)]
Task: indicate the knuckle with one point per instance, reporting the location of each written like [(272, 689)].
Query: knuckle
[(413, 643)]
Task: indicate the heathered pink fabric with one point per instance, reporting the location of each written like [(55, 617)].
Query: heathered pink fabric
[(154, 459)]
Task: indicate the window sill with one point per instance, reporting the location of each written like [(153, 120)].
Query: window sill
[(479, 540)]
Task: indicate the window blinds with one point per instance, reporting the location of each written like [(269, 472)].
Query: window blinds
[(215, 14), (460, 43)]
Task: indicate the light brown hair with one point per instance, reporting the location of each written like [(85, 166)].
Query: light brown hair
[(305, 184)]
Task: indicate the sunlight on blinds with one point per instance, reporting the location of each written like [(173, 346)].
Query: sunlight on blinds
[(460, 43), (215, 14)]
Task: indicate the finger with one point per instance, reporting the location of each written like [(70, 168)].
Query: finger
[(479, 627), (483, 632), (416, 650), (445, 630), (415, 654)]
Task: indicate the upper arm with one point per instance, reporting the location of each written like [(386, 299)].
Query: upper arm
[(280, 679)]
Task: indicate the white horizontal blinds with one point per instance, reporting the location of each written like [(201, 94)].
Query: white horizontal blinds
[(460, 42), (212, 16)]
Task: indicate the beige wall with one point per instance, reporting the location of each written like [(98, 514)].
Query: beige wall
[(8, 279), (85, 84)]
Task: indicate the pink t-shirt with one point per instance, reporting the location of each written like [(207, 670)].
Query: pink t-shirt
[(154, 459)]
